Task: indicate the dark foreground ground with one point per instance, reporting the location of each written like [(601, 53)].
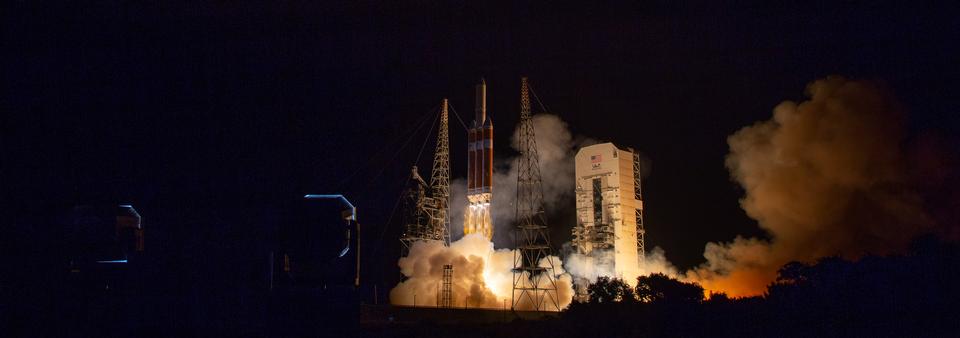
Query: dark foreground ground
[(749, 318), (915, 294)]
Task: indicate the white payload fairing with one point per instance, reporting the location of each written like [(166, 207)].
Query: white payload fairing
[(479, 168)]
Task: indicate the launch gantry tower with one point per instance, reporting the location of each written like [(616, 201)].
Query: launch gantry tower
[(426, 211), (638, 195), (534, 286)]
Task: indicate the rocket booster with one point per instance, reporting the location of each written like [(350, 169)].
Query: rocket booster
[(479, 169), (480, 146)]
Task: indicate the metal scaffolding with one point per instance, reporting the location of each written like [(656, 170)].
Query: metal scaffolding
[(426, 217), (446, 293), (600, 234), (641, 251)]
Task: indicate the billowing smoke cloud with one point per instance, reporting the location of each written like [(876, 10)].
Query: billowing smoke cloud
[(599, 263), (826, 176), (556, 148), (482, 276)]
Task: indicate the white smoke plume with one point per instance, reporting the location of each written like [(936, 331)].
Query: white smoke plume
[(656, 261), (599, 263), (826, 176), (590, 267), (483, 276), (556, 147)]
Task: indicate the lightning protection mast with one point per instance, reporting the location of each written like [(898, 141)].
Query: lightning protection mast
[(426, 207), (440, 178), (534, 286)]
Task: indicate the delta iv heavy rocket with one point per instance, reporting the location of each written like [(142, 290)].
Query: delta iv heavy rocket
[(479, 169)]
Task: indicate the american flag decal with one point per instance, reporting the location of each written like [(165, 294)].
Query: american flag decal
[(595, 159)]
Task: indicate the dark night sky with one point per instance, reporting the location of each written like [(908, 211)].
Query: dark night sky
[(204, 116)]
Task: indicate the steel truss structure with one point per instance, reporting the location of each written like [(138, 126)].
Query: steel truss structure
[(534, 284), (426, 208)]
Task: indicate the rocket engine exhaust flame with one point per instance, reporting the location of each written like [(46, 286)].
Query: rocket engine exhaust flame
[(831, 175), (482, 275)]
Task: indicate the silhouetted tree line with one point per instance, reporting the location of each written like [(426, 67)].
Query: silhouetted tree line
[(654, 288), (916, 294)]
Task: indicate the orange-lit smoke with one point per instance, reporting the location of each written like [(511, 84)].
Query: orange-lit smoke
[(482, 276), (826, 176)]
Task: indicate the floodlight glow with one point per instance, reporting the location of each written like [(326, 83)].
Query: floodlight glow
[(119, 261), (353, 210)]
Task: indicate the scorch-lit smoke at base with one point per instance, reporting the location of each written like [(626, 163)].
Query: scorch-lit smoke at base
[(599, 263), (827, 176), (482, 275)]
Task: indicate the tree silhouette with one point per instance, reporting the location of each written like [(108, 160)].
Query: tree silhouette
[(657, 287), (607, 290), (718, 297)]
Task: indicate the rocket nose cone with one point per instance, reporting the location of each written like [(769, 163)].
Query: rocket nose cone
[(483, 81)]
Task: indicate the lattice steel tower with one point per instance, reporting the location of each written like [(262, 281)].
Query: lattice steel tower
[(427, 216), (446, 292), (440, 178), (534, 286)]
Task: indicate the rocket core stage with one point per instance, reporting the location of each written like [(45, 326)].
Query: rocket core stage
[(479, 169)]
